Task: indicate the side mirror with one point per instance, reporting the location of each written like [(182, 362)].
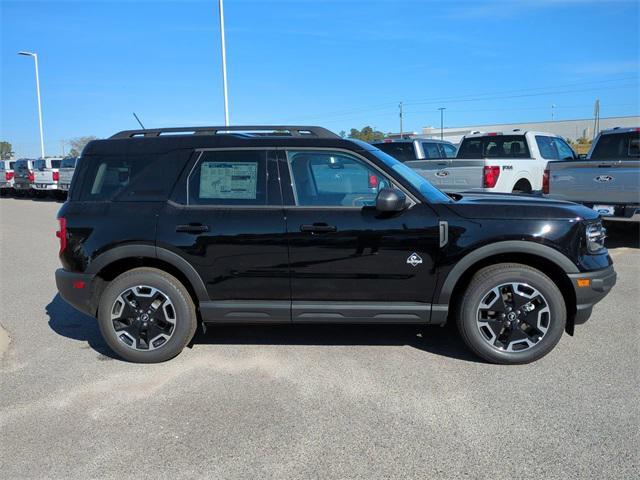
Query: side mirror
[(390, 200)]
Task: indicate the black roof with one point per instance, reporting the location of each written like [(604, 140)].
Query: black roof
[(137, 142)]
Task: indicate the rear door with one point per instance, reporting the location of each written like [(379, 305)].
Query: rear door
[(225, 218), (348, 262)]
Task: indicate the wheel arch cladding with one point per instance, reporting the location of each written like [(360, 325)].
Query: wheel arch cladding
[(549, 261), (114, 262)]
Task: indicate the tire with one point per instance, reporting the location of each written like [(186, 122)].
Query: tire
[(506, 331), (172, 323)]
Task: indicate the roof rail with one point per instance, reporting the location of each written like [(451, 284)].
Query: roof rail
[(250, 130)]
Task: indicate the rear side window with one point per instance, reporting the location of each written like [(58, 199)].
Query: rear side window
[(130, 178), (547, 147), (617, 145), (498, 146), (431, 150), (229, 178), (403, 151)]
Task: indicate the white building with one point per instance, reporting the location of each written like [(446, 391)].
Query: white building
[(572, 129)]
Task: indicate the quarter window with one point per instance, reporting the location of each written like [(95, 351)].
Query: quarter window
[(333, 179)]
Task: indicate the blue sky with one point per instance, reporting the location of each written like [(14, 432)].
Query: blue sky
[(339, 64)]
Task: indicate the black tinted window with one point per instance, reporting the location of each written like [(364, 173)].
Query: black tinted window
[(130, 178), (494, 146), (230, 178), (68, 163), (617, 145), (402, 151), (21, 165), (55, 163), (39, 165)]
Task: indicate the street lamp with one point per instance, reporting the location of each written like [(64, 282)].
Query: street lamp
[(35, 58), (442, 109), (224, 64)]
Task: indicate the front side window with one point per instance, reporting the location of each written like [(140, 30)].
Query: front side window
[(230, 178), (333, 179), (449, 150), (564, 151)]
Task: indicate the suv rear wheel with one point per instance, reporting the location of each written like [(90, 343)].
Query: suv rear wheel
[(146, 315), (511, 313)]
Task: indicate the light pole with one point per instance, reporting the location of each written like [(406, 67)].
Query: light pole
[(442, 109), (224, 64), (35, 58)]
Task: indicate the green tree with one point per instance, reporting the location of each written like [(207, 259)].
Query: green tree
[(367, 134), (342, 134), (78, 144), (6, 150)]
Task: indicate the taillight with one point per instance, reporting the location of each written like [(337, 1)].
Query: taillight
[(56, 176), (490, 176), (8, 175), (373, 181), (31, 177), (545, 181), (62, 233)]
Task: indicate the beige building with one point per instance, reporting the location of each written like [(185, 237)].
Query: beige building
[(572, 129)]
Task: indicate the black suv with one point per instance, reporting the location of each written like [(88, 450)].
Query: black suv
[(164, 229)]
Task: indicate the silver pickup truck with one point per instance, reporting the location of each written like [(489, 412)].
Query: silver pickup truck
[(503, 162), (608, 180)]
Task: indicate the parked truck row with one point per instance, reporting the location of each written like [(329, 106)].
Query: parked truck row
[(607, 179), (37, 177)]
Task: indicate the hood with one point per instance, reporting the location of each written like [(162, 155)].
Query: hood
[(508, 206)]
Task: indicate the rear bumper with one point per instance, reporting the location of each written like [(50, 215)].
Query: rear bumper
[(600, 283), (44, 186), (77, 290)]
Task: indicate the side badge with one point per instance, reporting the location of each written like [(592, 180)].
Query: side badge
[(414, 259)]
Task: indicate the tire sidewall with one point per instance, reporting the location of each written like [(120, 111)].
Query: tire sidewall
[(185, 315), (481, 285)]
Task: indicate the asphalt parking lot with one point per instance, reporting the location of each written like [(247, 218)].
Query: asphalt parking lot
[(305, 402)]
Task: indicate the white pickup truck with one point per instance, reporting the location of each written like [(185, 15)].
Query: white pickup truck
[(513, 161), (45, 175), (608, 180)]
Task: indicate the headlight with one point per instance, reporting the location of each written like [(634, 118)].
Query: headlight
[(595, 234)]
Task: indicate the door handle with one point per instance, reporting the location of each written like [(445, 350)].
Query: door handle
[(192, 228), (318, 228)]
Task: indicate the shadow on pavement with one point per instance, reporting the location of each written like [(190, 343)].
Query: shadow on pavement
[(68, 322)]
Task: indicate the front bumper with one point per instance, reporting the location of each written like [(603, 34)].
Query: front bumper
[(595, 286), (77, 289)]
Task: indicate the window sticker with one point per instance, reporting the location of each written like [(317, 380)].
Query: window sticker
[(229, 180)]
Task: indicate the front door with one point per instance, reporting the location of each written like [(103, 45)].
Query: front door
[(228, 223), (349, 262)]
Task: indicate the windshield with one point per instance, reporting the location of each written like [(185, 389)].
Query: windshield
[(68, 162), (430, 192), (39, 165), (494, 146)]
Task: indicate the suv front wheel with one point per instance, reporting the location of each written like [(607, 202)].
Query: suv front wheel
[(511, 313), (146, 315)]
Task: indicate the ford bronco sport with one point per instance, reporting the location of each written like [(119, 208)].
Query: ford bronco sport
[(166, 229)]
